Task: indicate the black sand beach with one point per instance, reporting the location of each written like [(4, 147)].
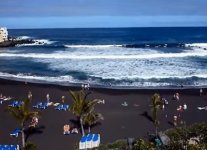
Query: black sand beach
[(119, 122)]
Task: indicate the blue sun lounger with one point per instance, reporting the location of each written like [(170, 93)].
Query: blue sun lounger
[(65, 107), (16, 103), (62, 107), (41, 105), (44, 105), (16, 132), (37, 105), (9, 147)]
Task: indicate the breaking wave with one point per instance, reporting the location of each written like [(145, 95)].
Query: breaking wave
[(91, 46), (38, 42), (82, 56), (116, 82)]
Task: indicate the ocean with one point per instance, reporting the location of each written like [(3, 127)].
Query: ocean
[(109, 57)]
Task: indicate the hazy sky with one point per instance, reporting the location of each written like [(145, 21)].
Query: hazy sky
[(102, 13)]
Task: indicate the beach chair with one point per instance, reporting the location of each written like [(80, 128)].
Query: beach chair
[(89, 141), (82, 143), (65, 107), (13, 103), (43, 106), (13, 147), (37, 105), (20, 103), (4, 147), (16, 103), (62, 107), (9, 147), (16, 132), (59, 107), (96, 140)]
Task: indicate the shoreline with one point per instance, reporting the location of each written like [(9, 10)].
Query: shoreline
[(78, 85)]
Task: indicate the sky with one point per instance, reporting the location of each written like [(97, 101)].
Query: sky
[(102, 13)]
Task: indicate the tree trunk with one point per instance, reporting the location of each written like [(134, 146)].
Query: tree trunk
[(23, 137), (82, 129), (156, 130), (89, 129)]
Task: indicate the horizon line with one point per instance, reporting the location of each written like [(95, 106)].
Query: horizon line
[(108, 27)]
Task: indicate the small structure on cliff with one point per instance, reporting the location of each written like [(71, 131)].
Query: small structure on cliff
[(3, 34), (6, 41)]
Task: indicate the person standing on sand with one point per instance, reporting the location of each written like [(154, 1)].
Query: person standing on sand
[(48, 97), (63, 99), (29, 95), (201, 92)]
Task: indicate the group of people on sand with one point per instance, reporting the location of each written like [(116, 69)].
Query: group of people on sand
[(66, 128), (85, 86), (180, 109), (47, 98)]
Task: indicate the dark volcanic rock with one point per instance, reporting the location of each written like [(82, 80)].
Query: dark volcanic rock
[(12, 43)]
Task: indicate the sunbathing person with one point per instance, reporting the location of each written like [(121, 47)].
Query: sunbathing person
[(34, 122), (66, 129), (101, 101), (124, 104), (74, 131)]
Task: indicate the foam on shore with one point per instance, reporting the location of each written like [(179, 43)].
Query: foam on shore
[(197, 45), (91, 46)]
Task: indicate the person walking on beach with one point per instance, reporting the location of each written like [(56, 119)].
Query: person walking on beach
[(175, 120), (48, 97), (63, 99), (29, 95), (201, 92)]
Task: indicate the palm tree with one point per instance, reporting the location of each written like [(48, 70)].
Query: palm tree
[(81, 106), (91, 119), (156, 105), (22, 114)]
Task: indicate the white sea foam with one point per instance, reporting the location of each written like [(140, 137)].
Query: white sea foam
[(66, 80), (91, 46), (197, 45), (38, 42), (27, 77), (57, 55), (24, 37), (151, 77)]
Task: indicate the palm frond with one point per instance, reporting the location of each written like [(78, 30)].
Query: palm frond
[(92, 118), (15, 113), (22, 113)]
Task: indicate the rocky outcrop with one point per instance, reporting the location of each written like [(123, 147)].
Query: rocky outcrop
[(12, 43)]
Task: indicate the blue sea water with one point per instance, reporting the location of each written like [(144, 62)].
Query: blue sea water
[(132, 57)]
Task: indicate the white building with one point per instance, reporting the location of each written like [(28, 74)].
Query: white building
[(3, 34)]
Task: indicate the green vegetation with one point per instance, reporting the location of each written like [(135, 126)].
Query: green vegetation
[(30, 146), (156, 105), (83, 109), (22, 114), (193, 137)]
